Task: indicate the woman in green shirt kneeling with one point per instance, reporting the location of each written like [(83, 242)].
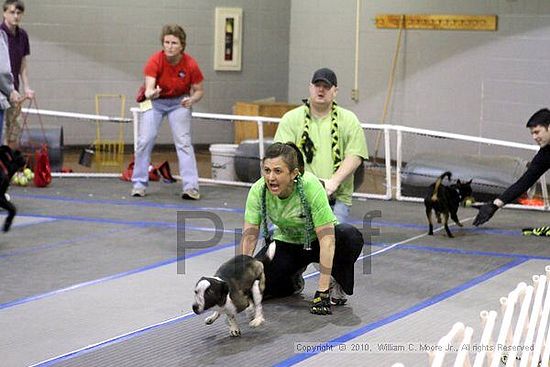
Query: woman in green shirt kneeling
[(306, 231)]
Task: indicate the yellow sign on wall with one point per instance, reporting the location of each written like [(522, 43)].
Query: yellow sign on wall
[(438, 21)]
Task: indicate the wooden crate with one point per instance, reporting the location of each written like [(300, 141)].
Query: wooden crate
[(249, 129)]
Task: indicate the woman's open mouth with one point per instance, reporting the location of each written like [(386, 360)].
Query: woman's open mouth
[(273, 187)]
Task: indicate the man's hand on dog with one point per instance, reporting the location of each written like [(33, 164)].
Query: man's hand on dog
[(486, 212), (321, 303)]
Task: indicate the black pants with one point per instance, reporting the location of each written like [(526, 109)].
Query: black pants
[(291, 259)]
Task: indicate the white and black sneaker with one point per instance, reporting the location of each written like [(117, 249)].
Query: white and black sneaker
[(337, 295), (138, 192), (192, 194)]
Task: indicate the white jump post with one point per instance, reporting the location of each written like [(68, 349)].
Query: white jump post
[(508, 305), (457, 333), (542, 325), (488, 321), (540, 286), (521, 326), (463, 355)]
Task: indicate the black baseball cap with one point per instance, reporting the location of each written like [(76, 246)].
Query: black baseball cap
[(325, 75)]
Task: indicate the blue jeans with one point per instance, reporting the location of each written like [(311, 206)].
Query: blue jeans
[(179, 119), (341, 211)]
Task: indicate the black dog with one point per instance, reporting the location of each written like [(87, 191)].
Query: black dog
[(446, 200), (11, 161)]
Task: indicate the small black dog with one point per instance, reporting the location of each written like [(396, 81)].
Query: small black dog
[(11, 161), (446, 200)]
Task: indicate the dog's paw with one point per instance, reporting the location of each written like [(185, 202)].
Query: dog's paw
[(235, 332), (250, 312), (256, 321), (460, 224), (7, 224), (210, 320)]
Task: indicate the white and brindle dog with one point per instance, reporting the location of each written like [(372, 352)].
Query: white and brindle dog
[(237, 285)]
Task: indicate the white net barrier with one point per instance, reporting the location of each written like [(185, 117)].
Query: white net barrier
[(64, 131), (403, 161), (492, 165), (373, 179)]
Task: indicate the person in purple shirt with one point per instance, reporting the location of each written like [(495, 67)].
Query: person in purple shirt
[(19, 49)]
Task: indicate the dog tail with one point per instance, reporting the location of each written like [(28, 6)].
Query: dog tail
[(271, 250), (448, 174), (267, 253)]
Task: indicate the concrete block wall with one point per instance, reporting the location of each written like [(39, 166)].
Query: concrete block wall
[(82, 48), (476, 83)]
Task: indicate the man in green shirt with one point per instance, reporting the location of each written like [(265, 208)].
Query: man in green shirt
[(330, 138)]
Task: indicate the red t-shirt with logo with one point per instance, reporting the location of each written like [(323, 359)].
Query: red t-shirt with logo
[(173, 80)]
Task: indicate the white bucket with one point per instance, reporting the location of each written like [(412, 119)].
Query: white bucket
[(223, 167)]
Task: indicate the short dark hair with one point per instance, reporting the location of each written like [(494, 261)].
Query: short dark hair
[(540, 118), (19, 5), (289, 153)]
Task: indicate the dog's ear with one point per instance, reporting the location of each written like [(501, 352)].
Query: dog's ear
[(225, 288), (201, 285), (469, 182), (224, 291)]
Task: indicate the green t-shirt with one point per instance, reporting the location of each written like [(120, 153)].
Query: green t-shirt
[(286, 214), (351, 139)]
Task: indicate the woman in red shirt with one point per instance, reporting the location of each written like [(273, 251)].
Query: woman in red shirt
[(173, 84)]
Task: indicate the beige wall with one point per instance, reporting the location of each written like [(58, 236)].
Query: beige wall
[(83, 47), (476, 83)]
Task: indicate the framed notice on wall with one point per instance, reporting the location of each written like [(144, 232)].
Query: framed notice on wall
[(228, 39)]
